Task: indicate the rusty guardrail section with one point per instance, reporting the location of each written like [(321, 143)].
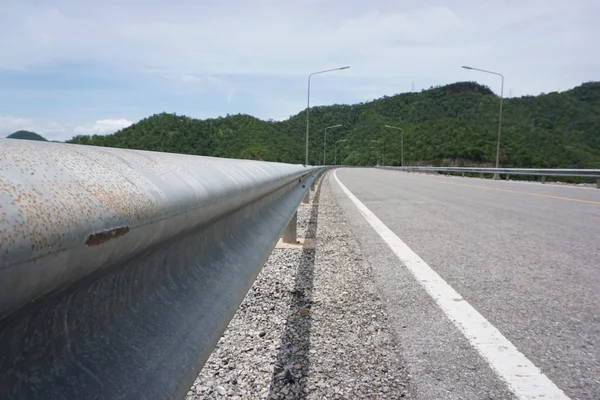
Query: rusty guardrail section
[(120, 269)]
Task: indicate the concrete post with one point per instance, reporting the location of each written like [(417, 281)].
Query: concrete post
[(290, 233)]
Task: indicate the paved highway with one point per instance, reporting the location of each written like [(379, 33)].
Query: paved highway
[(525, 256)]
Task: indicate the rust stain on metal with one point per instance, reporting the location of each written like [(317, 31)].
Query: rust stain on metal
[(104, 236)]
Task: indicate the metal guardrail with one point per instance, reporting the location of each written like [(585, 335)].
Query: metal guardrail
[(120, 269), (579, 173)]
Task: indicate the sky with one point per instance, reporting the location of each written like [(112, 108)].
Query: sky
[(70, 67)]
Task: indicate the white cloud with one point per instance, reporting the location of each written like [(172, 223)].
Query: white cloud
[(53, 130), (9, 125), (269, 37), (207, 82), (102, 127), (210, 47)]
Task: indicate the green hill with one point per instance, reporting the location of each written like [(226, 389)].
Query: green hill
[(449, 125), (27, 135)]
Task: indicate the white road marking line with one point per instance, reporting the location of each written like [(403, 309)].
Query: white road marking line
[(523, 378)]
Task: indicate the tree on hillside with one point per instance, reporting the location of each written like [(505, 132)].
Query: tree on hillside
[(27, 135), (454, 124)]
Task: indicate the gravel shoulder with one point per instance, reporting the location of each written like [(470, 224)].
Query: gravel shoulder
[(312, 326)]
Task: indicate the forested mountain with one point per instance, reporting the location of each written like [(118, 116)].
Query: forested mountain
[(455, 124), (26, 135)]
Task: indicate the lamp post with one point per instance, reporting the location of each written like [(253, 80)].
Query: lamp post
[(335, 153), (496, 175), (325, 140), (401, 141), (308, 105), (382, 149), (377, 154)]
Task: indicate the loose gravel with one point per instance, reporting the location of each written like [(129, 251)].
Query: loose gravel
[(312, 326)]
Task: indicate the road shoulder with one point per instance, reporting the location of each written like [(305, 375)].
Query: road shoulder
[(313, 325)]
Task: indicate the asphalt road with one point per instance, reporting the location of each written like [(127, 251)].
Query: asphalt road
[(526, 256)]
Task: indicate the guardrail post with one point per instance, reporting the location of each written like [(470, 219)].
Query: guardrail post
[(291, 230), (543, 178), (598, 183), (481, 175), (306, 198), (313, 185)]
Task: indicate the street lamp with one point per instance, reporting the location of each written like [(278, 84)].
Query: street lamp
[(496, 175), (382, 149), (401, 141), (335, 153), (325, 140), (377, 153), (308, 105)]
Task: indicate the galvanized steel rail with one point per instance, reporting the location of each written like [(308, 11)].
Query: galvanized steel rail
[(579, 173), (120, 269)]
